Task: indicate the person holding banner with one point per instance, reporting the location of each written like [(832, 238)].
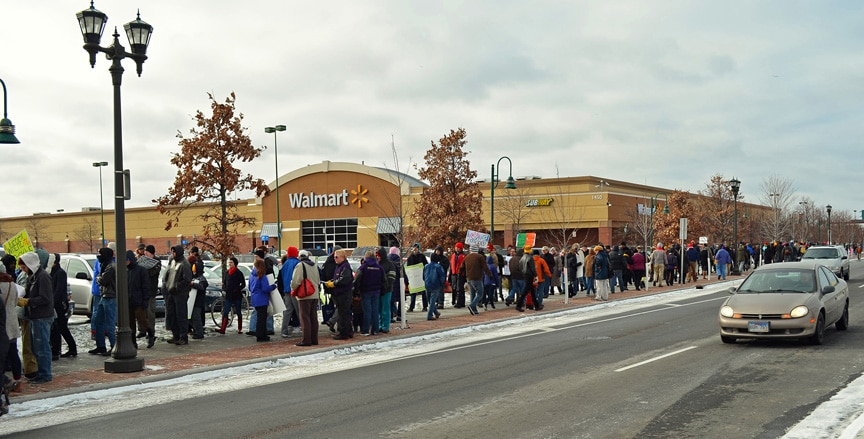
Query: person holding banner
[(178, 283), (416, 257)]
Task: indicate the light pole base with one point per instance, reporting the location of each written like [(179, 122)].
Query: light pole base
[(114, 365)]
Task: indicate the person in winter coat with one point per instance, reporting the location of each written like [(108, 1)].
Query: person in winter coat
[(105, 314), (60, 328), (291, 315), (417, 257), (456, 276), (589, 273), (11, 329), (723, 261), (617, 265), (233, 286), (396, 289), (692, 259), (38, 303), (370, 281), (260, 288), (139, 298), (391, 277), (340, 286), (444, 261), (308, 306), (517, 277), (672, 263), (433, 279), (474, 267), (529, 271), (544, 276), (638, 267), (177, 283), (602, 273), (658, 264), (490, 283)]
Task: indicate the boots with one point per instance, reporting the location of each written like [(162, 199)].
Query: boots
[(239, 323), (224, 325)]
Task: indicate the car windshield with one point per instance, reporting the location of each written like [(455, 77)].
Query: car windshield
[(821, 253), (779, 281)]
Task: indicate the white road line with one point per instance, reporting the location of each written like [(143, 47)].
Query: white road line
[(642, 363)]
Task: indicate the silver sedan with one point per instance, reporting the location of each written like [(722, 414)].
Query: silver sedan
[(796, 300)]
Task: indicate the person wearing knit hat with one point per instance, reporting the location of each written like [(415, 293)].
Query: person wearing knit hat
[(38, 304), (457, 276), (602, 273), (291, 315), (394, 250)]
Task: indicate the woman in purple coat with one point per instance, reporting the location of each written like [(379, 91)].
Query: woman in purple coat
[(260, 288)]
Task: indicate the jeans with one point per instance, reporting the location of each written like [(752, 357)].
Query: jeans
[(516, 288), (476, 293), (434, 294), (371, 304), (490, 290), (40, 342), (542, 290), (105, 317), (721, 271), (617, 280), (589, 285), (292, 308), (384, 308)]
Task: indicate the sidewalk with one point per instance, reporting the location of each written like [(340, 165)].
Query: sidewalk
[(163, 361)]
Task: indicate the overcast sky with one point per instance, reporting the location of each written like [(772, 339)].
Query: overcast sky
[(665, 93)]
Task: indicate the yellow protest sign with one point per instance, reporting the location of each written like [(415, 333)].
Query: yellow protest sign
[(18, 244)]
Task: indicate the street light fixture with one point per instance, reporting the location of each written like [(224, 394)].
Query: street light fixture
[(101, 203), (735, 184), (7, 129), (92, 23), (511, 184), (828, 209), (276, 154)]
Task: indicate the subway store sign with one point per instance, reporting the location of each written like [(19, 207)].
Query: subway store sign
[(539, 202)]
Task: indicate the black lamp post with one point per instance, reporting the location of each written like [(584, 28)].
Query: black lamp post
[(276, 153), (7, 129), (511, 184), (92, 23), (736, 186), (828, 209), (101, 203)]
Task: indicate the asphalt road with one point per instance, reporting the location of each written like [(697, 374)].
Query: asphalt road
[(654, 370)]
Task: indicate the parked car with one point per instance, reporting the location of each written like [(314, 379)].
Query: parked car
[(796, 300), (832, 256), (79, 271)]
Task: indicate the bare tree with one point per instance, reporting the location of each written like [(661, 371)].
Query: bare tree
[(640, 223), (777, 192), (512, 206), (717, 205), (36, 230), (88, 234), (393, 213)]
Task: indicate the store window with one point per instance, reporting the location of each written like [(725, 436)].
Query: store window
[(323, 234)]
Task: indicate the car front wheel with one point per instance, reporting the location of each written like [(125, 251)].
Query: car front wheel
[(819, 332), (843, 323)]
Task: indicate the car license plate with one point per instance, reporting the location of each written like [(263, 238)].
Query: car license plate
[(757, 327)]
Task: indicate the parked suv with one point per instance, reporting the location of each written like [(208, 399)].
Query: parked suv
[(832, 256), (79, 270)]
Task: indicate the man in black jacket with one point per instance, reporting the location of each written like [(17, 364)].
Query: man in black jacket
[(616, 263), (60, 328), (178, 283), (139, 296)]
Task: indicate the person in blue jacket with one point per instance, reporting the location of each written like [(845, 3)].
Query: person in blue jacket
[(260, 288)]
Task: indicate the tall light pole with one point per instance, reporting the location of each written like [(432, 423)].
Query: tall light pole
[(828, 209), (92, 23), (511, 184), (276, 154), (735, 184), (101, 201), (7, 129)]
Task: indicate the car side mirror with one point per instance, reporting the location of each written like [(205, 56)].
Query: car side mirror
[(828, 289), (82, 275), (733, 290), (845, 257)]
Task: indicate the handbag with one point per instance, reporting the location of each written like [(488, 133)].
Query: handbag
[(305, 289)]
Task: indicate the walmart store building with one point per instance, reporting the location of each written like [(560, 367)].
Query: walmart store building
[(354, 205)]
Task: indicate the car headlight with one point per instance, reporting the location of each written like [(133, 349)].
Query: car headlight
[(726, 311), (799, 311)]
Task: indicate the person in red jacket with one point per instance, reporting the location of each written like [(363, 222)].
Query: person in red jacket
[(457, 281), (543, 273)]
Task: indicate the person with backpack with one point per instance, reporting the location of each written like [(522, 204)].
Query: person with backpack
[(433, 278)]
